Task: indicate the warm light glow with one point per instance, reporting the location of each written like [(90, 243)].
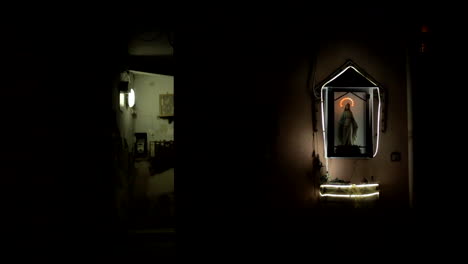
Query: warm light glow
[(346, 99), (131, 98), (350, 185), (424, 28), (349, 195), (122, 100)]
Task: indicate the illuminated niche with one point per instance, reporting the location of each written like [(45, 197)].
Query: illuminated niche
[(352, 113)]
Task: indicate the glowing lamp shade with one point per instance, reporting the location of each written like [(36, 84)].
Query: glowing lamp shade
[(122, 100), (131, 98)]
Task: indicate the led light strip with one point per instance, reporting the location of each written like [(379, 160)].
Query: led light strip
[(349, 195), (350, 186), (323, 125), (378, 125), (363, 75)]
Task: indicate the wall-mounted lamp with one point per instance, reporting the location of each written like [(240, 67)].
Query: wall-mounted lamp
[(131, 98), (127, 94)]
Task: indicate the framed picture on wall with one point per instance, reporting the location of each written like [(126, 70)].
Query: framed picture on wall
[(166, 105)]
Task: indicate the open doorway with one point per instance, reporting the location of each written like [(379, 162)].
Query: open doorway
[(144, 153)]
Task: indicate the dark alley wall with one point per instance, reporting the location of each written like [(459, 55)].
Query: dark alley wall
[(254, 168), (380, 48), (260, 109)]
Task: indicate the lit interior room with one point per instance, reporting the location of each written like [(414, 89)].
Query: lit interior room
[(146, 122)]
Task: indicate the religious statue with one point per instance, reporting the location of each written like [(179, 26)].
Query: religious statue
[(347, 127)]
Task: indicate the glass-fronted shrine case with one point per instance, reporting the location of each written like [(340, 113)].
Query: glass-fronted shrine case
[(351, 114)]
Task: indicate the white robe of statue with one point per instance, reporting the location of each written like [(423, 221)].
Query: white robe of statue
[(347, 127)]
